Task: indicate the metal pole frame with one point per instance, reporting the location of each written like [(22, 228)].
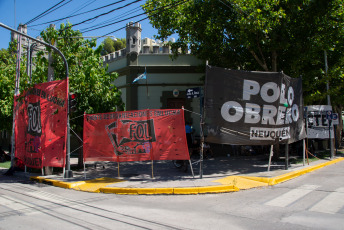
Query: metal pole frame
[(68, 172)]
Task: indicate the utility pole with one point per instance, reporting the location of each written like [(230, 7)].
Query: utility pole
[(50, 60), (328, 103), (16, 93), (48, 170)]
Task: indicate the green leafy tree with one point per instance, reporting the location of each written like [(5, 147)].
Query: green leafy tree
[(265, 35), (7, 84), (110, 45), (88, 78), (7, 71)]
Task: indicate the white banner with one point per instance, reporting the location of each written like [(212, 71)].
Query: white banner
[(317, 124)]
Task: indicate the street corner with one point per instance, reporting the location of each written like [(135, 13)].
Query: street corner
[(243, 182), (297, 173), (94, 185), (87, 185), (248, 182)]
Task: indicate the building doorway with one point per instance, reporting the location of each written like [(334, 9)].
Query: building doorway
[(175, 103)]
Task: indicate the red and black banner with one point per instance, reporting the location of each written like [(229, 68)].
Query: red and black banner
[(253, 108), (41, 125), (135, 136)]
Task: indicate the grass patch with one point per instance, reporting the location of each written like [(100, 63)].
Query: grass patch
[(6, 164)]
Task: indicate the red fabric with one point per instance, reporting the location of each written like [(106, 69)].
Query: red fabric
[(20, 164), (41, 125), (135, 136)]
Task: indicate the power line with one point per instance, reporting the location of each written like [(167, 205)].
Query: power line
[(100, 15), (159, 11), (98, 26), (82, 7), (48, 11), (71, 16), (136, 9), (181, 2)]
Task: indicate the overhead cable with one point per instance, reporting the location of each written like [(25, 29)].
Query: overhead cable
[(159, 11), (48, 11), (71, 16), (100, 15), (136, 9)]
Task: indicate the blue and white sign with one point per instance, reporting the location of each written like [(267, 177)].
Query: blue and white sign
[(335, 120), (193, 92), (329, 115)]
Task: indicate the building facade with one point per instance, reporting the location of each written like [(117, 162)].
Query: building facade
[(167, 79)]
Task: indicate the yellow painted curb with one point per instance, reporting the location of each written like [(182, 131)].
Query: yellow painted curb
[(37, 179), (117, 190), (291, 175), (165, 191), (218, 189), (229, 184), (186, 190), (56, 183), (94, 185), (242, 182), (68, 185)]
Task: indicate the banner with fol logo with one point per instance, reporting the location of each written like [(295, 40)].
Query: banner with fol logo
[(253, 108), (41, 125), (153, 134)]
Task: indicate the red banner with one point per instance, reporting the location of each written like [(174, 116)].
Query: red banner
[(135, 136), (41, 125)]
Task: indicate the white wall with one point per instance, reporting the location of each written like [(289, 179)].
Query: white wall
[(117, 64), (165, 60)]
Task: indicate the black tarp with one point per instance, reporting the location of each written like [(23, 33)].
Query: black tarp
[(252, 108)]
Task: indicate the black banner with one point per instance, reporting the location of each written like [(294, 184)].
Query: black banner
[(252, 108)]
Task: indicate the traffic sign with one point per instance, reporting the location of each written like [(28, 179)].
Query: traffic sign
[(329, 115)]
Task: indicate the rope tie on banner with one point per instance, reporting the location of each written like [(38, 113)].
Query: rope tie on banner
[(191, 111), (230, 131), (77, 135), (79, 139), (70, 119), (76, 149)]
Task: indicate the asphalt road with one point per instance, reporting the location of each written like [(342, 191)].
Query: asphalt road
[(311, 201)]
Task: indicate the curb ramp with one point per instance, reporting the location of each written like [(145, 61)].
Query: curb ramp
[(228, 184)]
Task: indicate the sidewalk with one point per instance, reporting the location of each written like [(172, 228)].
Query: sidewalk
[(220, 174)]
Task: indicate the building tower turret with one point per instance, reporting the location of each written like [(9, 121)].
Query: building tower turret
[(133, 38)]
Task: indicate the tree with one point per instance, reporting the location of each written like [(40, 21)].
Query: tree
[(7, 84), (88, 78), (110, 45), (265, 35)]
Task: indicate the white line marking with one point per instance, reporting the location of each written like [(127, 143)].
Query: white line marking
[(330, 204), (292, 196)]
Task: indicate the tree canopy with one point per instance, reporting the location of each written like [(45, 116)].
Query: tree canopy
[(265, 35), (7, 83), (88, 78), (110, 45)]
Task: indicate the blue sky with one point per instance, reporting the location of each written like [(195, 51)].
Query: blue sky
[(13, 12)]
